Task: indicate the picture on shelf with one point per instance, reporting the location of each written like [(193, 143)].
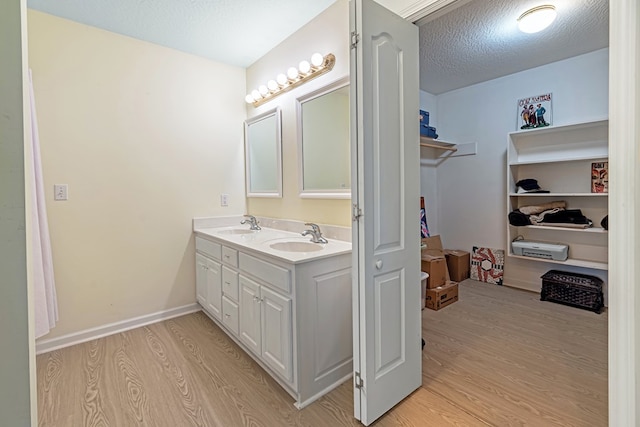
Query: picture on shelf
[(534, 112), (600, 177)]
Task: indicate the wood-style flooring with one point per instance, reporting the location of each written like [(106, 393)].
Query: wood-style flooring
[(497, 357)]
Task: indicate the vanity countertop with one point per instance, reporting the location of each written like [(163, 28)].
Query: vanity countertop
[(285, 245)]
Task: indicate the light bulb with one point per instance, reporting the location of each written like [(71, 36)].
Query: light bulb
[(263, 90), (249, 99), (292, 73), (256, 95), (317, 59), (272, 85), (304, 67), (281, 79), (537, 19)]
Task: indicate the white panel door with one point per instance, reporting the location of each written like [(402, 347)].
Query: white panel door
[(214, 289), (201, 280), (249, 307), (277, 349), (387, 305)]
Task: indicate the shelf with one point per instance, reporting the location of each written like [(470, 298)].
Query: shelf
[(570, 261), (560, 158), (600, 156), (434, 143), (579, 230), (558, 194)]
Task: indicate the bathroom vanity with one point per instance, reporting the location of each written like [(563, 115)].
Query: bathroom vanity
[(285, 300)]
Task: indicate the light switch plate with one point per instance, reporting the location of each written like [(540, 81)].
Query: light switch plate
[(60, 192)]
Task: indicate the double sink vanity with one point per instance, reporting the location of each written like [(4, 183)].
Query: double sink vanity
[(285, 299)]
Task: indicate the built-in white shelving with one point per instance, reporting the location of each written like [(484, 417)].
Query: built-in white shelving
[(438, 144), (559, 158)]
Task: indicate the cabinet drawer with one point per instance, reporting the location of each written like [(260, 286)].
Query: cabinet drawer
[(230, 314), (272, 274), (208, 247), (230, 256), (230, 283)]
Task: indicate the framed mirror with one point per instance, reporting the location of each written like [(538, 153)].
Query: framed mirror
[(263, 154), (324, 142)]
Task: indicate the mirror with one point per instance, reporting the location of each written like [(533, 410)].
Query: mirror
[(324, 142), (263, 155)]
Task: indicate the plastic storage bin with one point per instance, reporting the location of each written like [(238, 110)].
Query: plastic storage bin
[(423, 283)]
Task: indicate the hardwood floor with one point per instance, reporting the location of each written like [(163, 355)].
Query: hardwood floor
[(497, 357)]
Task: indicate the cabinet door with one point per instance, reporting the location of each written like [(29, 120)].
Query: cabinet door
[(201, 280), (249, 306), (230, 314), (214, 289), (276, 332)]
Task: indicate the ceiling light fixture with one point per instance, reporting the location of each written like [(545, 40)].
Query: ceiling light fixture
[(293, 78), (537, 18)]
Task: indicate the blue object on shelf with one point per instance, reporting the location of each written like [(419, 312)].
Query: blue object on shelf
[(424, 117), (428, 131)]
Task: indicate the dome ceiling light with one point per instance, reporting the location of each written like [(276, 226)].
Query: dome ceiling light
[(537, 18)]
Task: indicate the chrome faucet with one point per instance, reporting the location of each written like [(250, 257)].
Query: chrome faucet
[(252, 221), (316, 234)]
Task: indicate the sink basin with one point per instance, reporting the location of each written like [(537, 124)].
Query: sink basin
[(236, 231), (296, 246)]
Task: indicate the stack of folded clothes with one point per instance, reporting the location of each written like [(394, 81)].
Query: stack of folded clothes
[(553, 214)]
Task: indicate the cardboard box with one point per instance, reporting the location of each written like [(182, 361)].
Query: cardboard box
[(458, 264), (432, 248), (442, 296), (436, 267)]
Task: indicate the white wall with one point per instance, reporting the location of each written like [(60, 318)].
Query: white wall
[(471, 194), (147, 138), (428, 171)]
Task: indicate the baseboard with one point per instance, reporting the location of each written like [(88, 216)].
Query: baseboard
[(46, 345)]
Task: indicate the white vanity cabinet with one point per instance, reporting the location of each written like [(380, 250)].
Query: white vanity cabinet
[(209, 277), (292, 317), (265, 326)]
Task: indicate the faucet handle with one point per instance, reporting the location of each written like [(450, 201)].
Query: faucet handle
[(313, 226)]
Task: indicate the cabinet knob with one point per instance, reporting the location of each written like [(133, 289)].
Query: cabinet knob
[(227, 315), (379, 264)]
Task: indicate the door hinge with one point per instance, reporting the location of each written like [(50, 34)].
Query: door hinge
[(355, 38), (359, 382), (356, 213)]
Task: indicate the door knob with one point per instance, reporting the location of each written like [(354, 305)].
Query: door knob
[(379, 264)]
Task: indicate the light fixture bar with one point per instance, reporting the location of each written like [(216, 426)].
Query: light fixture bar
[(302, 77)]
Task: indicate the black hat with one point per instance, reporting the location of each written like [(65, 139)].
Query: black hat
[(529, 186)]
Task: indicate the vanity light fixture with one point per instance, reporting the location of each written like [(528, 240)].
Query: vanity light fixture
[(537, 18), (293, 78)]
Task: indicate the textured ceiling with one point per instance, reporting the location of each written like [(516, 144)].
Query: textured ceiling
[(475, 41), (480, 40), (235, 32)]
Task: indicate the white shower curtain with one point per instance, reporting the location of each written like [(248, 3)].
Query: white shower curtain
[(45, 300)]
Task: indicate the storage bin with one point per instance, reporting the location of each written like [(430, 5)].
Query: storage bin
[(423, 284), (573, 289)]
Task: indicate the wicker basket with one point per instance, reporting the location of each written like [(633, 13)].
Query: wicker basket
[(574, 289)]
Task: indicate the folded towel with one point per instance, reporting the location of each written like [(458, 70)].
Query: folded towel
[(536, 209)]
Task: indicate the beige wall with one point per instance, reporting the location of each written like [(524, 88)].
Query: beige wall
[(146, 138), (327, 33)]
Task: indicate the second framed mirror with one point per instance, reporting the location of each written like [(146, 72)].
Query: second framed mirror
[(323, 142)]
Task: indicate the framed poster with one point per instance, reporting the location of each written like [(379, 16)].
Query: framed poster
[(534, 112), (600, 177)]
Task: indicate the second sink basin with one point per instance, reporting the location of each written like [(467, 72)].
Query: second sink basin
[(289, 245)]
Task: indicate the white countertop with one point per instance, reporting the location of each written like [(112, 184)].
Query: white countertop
[(262, 241)]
